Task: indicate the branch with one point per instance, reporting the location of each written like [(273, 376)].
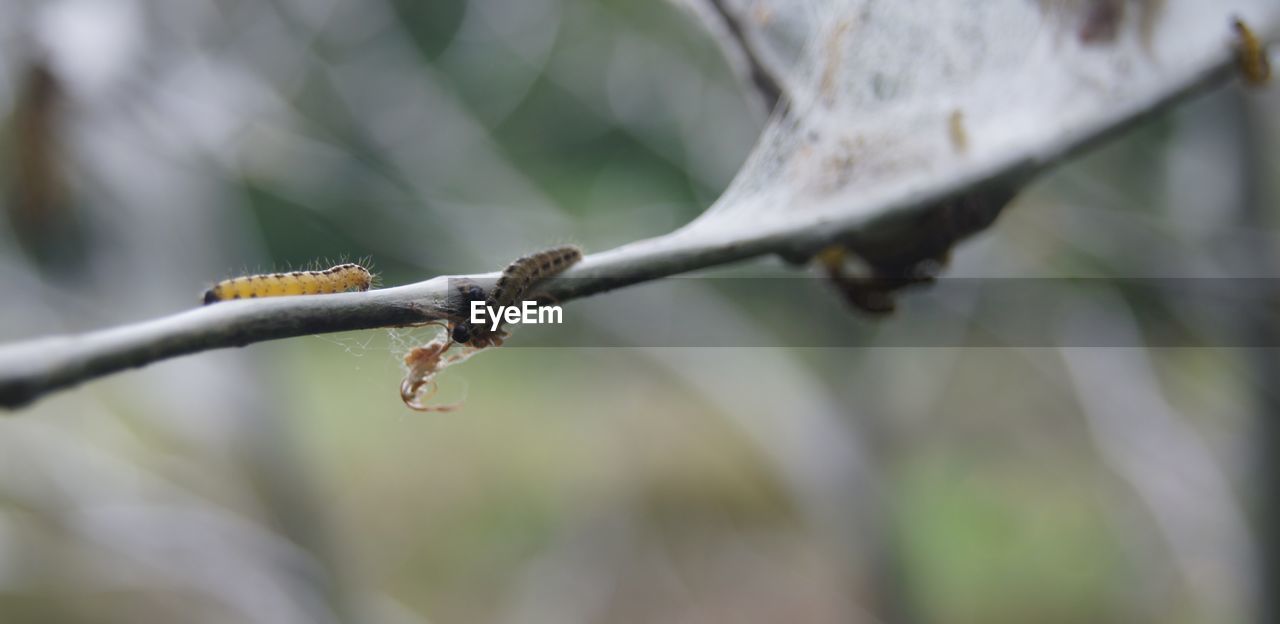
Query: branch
[(32, 369), (736, 46)]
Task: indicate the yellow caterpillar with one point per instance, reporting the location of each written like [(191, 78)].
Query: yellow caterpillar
[(338, 279), (1251, 55)]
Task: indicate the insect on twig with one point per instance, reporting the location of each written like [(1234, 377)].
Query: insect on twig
[(341, 278), (956, 132), (1251, 55), (516, 282), (871, 294)]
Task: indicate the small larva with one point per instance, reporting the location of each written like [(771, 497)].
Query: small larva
[(955, 128), (526, 271), (338, 279), (516, 281), (1251, 55)]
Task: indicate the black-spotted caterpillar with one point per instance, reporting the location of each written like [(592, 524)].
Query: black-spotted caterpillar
[(341, 278)]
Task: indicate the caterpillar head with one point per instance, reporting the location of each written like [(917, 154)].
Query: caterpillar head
[(461, 332), (467, 293)]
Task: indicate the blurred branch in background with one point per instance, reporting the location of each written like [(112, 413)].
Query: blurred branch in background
[(819, 448), (727, 27), (804, 435), (1151, 447)]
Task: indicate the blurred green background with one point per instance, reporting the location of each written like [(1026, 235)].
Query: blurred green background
[(152, 147)]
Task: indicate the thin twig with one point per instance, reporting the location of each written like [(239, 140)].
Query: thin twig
[(32, 369), (765, 83)]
